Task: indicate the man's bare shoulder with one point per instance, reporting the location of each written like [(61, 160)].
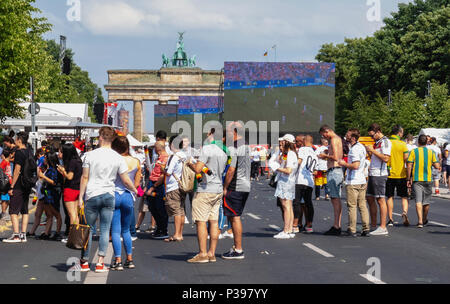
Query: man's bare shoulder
[(336, 140)]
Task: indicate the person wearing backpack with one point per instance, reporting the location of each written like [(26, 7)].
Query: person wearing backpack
[(175, 197), (51, 189), (21, 185)]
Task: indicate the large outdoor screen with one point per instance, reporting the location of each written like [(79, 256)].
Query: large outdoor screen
[(301, 96)]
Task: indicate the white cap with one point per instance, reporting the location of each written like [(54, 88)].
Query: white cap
[(289, 138)]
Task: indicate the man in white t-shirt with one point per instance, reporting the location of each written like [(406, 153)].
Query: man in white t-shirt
[(356, 185), (307, 160), (378, 175), (255, 156), (436, 172), (100, 170), (175, 198)]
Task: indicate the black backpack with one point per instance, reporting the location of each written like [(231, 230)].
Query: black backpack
[(29, 174), (5, 186)]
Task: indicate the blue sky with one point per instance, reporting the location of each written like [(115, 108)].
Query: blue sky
[(133, 34)]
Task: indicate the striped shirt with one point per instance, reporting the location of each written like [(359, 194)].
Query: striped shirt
[(423, 159)]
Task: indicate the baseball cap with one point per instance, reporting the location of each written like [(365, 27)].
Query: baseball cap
[(289, 138)]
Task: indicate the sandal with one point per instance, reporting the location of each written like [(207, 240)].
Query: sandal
[(173, 239), (405, 220)]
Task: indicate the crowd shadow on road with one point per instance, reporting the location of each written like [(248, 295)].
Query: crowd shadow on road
[(183, 256), (439, 232), (258, 234), (61, 267)]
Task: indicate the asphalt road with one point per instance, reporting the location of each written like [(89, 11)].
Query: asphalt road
[(407, 255)]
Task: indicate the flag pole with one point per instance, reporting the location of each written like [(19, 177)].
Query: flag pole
[(275, 53)]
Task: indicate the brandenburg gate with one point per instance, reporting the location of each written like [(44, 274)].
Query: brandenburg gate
[(177, 77)]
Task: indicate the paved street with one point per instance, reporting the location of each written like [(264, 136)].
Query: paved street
[(407, 255)]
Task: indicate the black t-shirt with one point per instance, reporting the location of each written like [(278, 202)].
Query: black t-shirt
[(74, 166), (20, 159)]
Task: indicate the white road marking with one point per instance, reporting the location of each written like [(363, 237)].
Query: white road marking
[(253, 216), (372, 279), (100, 278), (318, 250), (275, 227), (431, 222)]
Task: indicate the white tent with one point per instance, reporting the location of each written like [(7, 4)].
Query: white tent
[(442, 135), (134, 142)]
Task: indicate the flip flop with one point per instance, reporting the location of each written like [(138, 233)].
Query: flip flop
[(172, 239), (405, 220)]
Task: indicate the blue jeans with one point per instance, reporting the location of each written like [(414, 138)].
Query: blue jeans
[(123, 213), (102, 205), (133, 224)]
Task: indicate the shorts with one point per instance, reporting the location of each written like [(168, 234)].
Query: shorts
[(5, 197), (19, 202), (175, 203), (71, 195), (436, 174), (335, 178), (321, 178), (143, 207), (234, 203), (423, 191), (205, 206), (399, 184), (377, 186), (447, 169)]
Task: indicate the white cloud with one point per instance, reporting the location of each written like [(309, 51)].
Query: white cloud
[(116, 18)]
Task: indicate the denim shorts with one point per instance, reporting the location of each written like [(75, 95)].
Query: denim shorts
[(377, 186), (335, 178)]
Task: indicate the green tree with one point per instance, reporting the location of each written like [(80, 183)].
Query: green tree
[(22, 53), (409, 50), (438, 107)]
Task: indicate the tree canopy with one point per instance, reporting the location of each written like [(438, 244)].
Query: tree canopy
[(410, 50), (24, 53)]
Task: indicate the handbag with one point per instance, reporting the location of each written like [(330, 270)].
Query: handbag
[(79, 233), (272, 182)]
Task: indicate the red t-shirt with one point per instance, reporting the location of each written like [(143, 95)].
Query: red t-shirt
[(157, 170), (6, 167)]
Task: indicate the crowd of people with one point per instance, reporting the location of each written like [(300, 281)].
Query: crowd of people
[(102, 186), (368, 173), (248, 72)]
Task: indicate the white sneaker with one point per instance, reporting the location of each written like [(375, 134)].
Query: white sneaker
[(134, 238), (64, 241), (221, 237), (186, 221), (15, 238), (292, 235), (380, 231), (228, 235), (282, 235)]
